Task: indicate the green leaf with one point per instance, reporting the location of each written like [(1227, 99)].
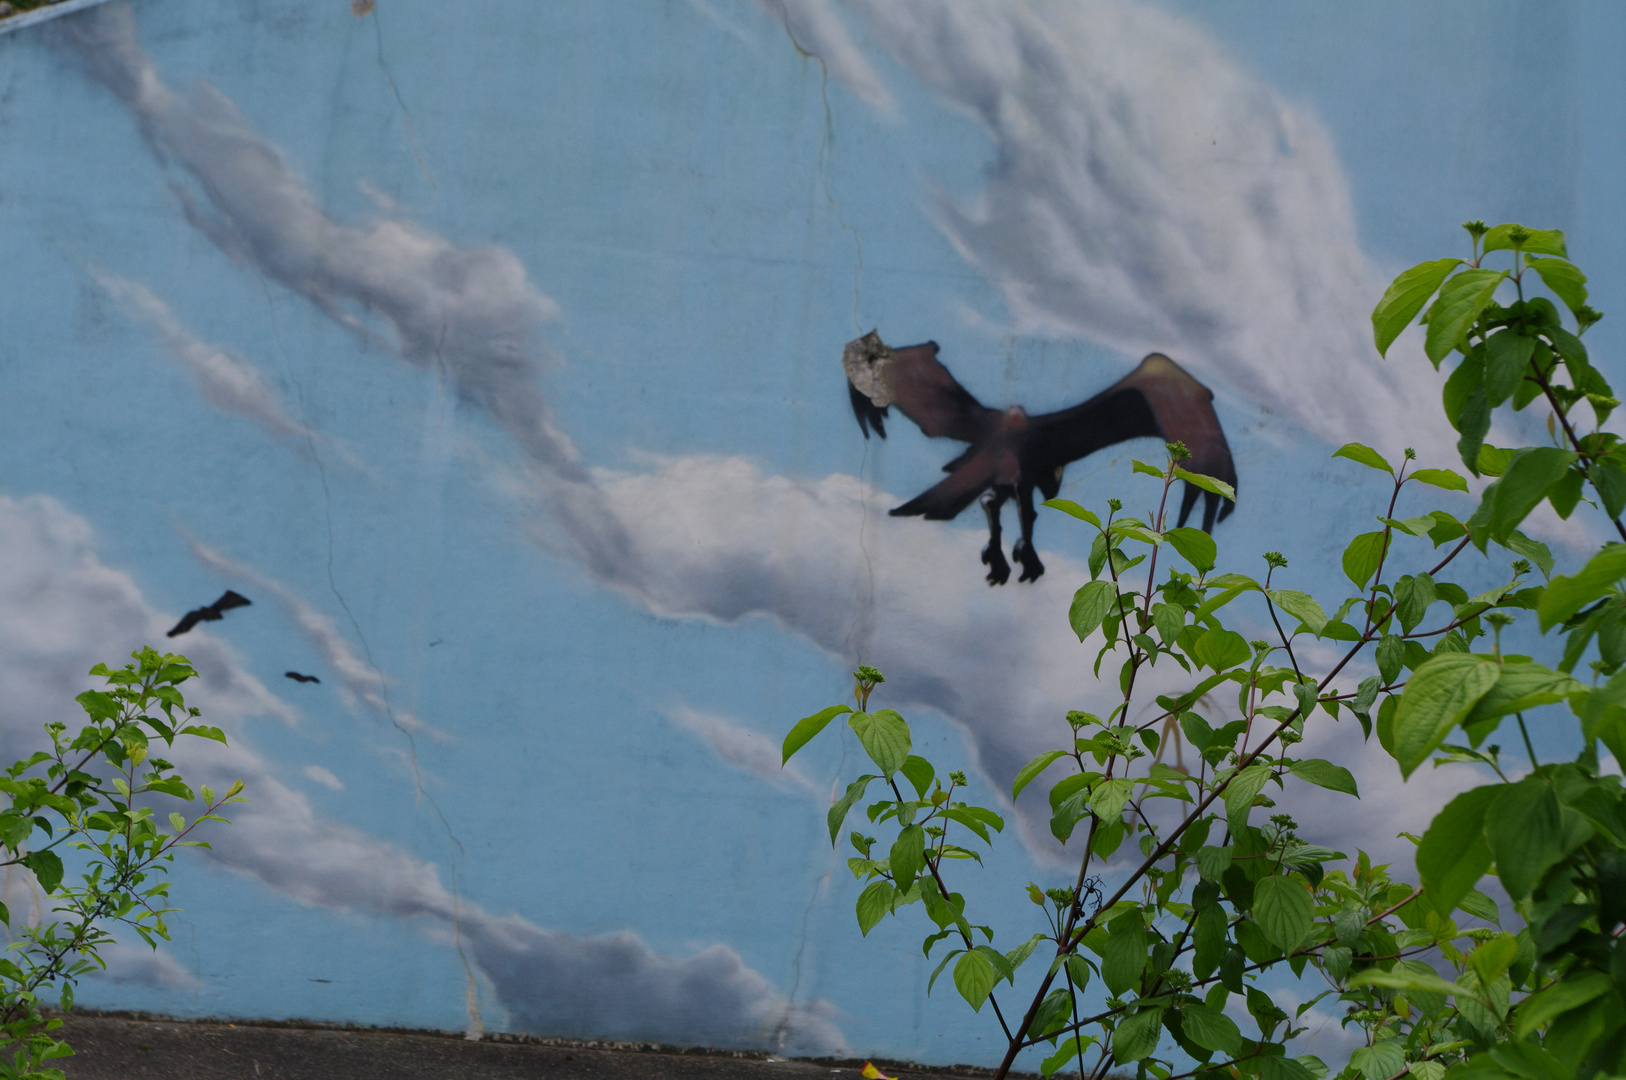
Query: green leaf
[(1283, 909), (809, 726), (1461, 300), (1211, 1030), (1529, 475), (1558, 999), (1536, 241), (908, 856), (203, 731), (1124, 957), (1219, 648), (1030, 772), (1390, 654), (1362, 557), (1301, 606), (1286, 1068), (1564, 279), (1067, 506), (1379, 1061), (884, 736), (1405, 979), (919, 772), (47, 869), (1208, 940), (1534, 550), (1137, 1036), (1608, 475), (1405, 297), (1169, 619), (1438, 696), (1567, 595), (1213, 861), (1107, 798), (1525, 830), (873, 905), (1474, 424), (1326, 774), (1090, 605), (1521, 686), (1195, 546), (1019, 955), (838, 812), (1067, 1051), (1207, 483), (1440, 478), (1454, 853), (98, 706), (1149, 470), (1507, 362), (974, 977), (1244, 787), (1492, 958), (1365, 455)]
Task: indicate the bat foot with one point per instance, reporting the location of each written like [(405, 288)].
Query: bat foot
[(1032, 568), (999, 571)]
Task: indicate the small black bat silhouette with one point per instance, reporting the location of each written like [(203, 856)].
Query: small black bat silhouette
[(297, 677), (1012, 453), (212, 613)]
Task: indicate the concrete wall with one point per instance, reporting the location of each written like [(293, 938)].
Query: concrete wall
[(492, 350)]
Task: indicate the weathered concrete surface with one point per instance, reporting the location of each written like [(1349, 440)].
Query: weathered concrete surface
[(115, 1047)]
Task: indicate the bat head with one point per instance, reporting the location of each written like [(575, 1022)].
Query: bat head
[(866, 361)]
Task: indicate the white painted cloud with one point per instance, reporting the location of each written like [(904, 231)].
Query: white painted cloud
[(747, 750), (717, 539), (316, 774), (359, 681), (1148, 193), (62, 610), (226, 380), (468, 312), (816, 29)]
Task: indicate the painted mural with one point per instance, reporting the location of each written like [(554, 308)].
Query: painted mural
[(469, 390)]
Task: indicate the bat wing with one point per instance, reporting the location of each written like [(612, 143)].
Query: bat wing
[(188, 621), (297, 677), (915, 381), (229, 600), (1160, 399), (979, 469)]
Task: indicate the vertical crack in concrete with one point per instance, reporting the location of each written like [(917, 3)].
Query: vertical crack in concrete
[(476, 1023), (406, 114), (861, 634), (859, 637)]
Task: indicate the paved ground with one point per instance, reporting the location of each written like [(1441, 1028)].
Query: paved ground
[(112, 1047)]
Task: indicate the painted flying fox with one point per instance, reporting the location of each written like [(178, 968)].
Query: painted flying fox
[(1012, 453)]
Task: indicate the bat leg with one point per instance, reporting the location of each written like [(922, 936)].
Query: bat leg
[(993, 556), (1023, 552), (1188, 499)]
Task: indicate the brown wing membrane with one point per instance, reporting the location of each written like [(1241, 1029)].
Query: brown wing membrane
[(926, 393), (911, 378), (1159, 398), (977, 470)]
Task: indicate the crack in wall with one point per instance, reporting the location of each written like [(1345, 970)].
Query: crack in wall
[(476, 1023), (406, 114), (860, 636)]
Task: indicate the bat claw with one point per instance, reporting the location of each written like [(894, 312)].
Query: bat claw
[(999, 571), (1032, 568)]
